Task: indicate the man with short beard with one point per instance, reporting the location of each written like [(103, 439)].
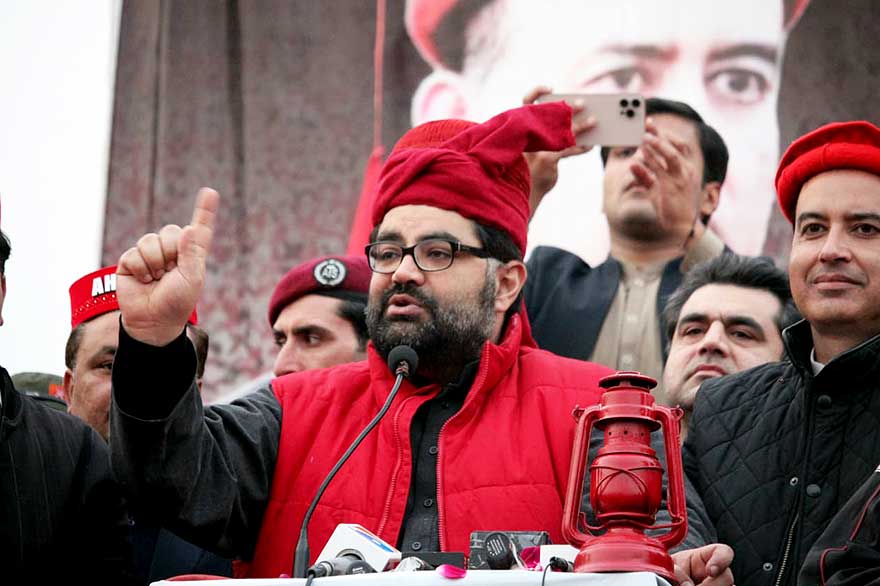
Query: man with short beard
[(479, 439), (657, 198)]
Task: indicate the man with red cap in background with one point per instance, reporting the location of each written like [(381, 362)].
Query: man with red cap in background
[(477, 437), (62, 515), (89, 356), (317, 314), (777, 450), (91, 345)]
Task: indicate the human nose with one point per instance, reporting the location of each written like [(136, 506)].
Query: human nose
[(835, 247), (287, 360), (715, 340), (408, 271)]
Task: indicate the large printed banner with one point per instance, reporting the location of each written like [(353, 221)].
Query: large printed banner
[(272, 103)]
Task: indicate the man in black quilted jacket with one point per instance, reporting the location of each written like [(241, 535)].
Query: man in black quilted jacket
[(848, 552), (777, 450)]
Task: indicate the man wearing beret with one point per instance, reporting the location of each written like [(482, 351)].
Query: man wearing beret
[(317, 314), (478, 438), (89, 356), (62, 515), (777, 450)]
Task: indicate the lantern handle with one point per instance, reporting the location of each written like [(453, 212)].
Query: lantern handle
[(670, 420), (573, 498)]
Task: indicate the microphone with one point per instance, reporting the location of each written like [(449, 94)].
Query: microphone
[(341, 566), (403, 361), (354, 541)]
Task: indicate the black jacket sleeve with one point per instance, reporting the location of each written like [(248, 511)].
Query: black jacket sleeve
[(203, 472), (848, 551)]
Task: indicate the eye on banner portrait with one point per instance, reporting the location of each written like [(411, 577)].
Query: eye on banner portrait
[(273, 104)]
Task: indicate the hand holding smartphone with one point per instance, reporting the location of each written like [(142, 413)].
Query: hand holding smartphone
[(620, 118)]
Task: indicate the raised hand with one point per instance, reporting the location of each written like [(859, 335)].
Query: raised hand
[(667, 161), (704, 566), (544, 165), (159, 280)]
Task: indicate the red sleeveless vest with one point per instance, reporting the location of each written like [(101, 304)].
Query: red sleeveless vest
[(502, 463)]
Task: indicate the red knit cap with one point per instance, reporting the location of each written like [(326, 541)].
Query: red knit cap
[(95, 294), (839, 145), (337, 276), (476, 170)]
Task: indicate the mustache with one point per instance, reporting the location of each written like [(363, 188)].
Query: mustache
[(407, 289)]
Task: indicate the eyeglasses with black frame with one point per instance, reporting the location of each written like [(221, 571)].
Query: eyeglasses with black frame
[(431, 255)]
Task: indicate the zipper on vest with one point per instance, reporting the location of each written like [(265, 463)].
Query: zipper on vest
[(441, 518), (386, 510)]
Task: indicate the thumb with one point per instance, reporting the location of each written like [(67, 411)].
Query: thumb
[(195, 239)]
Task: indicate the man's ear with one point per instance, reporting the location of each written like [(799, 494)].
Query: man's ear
[(65, 392), (440, 95), (709, 198), (511, 278)]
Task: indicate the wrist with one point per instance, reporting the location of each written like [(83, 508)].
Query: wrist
[(154, 335)]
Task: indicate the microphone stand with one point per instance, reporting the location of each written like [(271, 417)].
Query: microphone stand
[(402, 370)]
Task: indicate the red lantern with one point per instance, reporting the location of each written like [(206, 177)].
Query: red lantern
[(626, 481)]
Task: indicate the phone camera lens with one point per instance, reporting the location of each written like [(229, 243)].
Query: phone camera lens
[(636, 103), (630, 113), (624, 103)]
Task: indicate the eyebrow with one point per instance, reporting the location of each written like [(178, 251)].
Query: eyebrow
[(858, 216), (849, 217), (397, 237), (104, 350), (310, 329), (656, 52), (810, 216), (765, 52), (727, 320)]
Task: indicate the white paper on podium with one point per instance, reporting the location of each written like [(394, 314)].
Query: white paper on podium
[(473, 578)]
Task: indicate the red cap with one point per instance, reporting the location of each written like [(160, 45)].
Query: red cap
[(423, 18), (839, 145), (476, 170), (339, 276), (95, 294)]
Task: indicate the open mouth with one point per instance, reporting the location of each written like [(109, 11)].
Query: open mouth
[(402, 305)]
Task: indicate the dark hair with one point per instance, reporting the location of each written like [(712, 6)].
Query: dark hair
[(72, 346), (715, 155), (5, 251), (741, 271), (354, 310), (500, 246), (201, 342)]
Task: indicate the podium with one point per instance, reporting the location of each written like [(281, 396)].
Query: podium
[(432, 578)]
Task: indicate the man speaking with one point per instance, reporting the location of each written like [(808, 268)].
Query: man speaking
[(479, 438)]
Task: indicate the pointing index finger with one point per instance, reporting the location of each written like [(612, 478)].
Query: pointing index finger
[(205, 211)]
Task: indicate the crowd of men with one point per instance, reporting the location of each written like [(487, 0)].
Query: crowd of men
[(142, 480)]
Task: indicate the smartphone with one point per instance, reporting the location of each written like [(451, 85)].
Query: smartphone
[(620, 118)]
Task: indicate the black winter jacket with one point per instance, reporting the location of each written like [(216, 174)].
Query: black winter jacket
[(848, 552), (775, 452), (567, 300), (62, 518)]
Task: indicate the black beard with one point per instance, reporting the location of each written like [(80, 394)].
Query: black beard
[(449, 339)]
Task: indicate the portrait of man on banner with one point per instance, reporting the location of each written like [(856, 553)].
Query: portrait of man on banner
[(722, 58)]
